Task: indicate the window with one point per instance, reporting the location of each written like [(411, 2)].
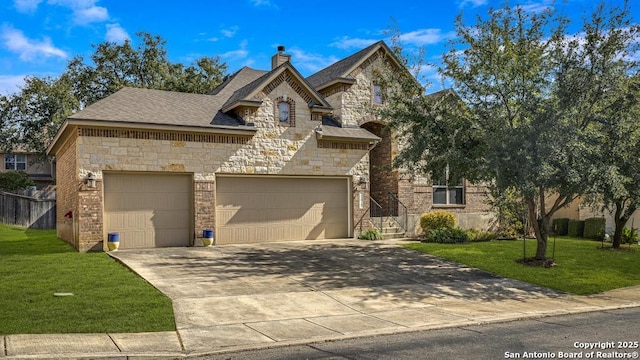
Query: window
[(283, 112), (15, 162), (377, 94), (447, 190)]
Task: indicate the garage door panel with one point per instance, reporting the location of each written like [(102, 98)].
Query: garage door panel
[(148, 210), (253, 209)]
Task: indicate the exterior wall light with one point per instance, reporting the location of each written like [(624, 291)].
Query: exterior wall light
[(90, 181)]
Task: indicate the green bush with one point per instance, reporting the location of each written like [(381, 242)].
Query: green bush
[(437, 219), (629, 235), (575, 228), (447, 235), (560, 226), (594, 228), (371, 234), (479, 236), (15, 180)]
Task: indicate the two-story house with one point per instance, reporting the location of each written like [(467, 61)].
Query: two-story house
[(268, 155)]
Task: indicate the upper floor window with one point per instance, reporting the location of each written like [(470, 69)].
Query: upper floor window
[(15, 162), (285, 111), (377, 94), (446, 189)]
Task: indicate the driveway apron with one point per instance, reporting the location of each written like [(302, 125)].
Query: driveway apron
[(243, 295)]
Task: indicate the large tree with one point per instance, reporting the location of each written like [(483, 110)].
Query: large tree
[(513, 121), (31, 117)]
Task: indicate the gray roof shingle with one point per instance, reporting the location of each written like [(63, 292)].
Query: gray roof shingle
[(340, 68), (160, 107)]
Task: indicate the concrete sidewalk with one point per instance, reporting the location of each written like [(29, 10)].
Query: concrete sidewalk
[(241, 297)]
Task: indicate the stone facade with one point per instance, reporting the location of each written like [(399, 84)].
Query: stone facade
[(271, 148)]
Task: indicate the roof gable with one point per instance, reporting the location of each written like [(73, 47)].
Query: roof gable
[(250, 93), (341, 70)]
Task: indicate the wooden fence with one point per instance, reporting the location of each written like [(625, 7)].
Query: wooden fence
[(27, 211)]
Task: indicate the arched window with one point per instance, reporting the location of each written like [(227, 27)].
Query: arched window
[(283, 112)]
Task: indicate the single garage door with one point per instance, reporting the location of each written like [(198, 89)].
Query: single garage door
[(148, 210), (258, 209)]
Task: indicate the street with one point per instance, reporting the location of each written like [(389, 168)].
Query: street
[(597, 335)]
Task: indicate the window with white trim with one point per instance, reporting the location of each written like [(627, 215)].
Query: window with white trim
[(446, 189), (15, 162)]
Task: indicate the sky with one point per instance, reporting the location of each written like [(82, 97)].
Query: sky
[(39, 37)]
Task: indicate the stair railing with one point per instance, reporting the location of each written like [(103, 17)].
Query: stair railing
[(375, 211), (398, 211)]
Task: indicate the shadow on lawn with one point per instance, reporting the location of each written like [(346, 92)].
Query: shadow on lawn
[(385, 272), (24, 241)]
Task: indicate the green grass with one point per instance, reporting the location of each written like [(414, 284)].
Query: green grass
[(581, 267), (108, 297)]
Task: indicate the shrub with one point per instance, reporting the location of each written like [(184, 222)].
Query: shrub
[(629, 235), (15, 180), (594, 228), (575, 228), (479, 236), (371, 234), (447, 235), (437, 219), (560, 226)]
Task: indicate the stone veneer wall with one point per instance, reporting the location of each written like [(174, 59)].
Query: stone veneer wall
[(273, 150)]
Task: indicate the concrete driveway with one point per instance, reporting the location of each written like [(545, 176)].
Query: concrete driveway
[(253, 295)]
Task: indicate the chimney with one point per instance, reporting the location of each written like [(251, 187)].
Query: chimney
[(279, 58)]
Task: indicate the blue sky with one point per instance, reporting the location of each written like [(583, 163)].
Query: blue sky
[(38, 37)]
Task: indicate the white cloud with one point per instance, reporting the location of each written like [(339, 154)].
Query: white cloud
[(472, 3), (425, 37), (116, 34), (230, 32), (309, 62), (347, 43), (240, 53), (26, 6), (536, 7), (28, 49), (10, 83), (266, 3), (84, 11)]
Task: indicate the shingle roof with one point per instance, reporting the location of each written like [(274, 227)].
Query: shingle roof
[(340, 68), (353, 134), (169, 107)]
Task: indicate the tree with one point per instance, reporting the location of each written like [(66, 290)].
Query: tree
[(513, 120), (15, 180), (31, 117)]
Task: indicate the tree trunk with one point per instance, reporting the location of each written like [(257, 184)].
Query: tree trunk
[(621, 215), (540, 228)]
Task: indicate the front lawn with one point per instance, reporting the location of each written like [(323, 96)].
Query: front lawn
[(107, 297), (581, 267)]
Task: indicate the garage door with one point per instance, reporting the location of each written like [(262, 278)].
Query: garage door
[(148, 210), (257, 209)]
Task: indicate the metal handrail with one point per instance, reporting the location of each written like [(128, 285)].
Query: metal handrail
[(375, 210), (397, 208)]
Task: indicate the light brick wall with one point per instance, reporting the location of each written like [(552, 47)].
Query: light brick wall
[(67, 184)]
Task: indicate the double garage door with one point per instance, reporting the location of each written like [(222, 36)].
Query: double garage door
[(156, 209), (260, 209)]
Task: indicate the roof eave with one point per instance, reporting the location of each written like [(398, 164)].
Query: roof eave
[(71, 124), (247, 103), (340, 80)]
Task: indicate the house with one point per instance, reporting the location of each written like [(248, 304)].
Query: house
[(40, 171), (266, 156)]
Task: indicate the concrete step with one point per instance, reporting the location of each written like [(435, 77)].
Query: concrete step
[(388, 236)]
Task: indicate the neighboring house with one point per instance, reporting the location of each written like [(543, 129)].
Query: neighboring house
[(40, 171), (266, 156)]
